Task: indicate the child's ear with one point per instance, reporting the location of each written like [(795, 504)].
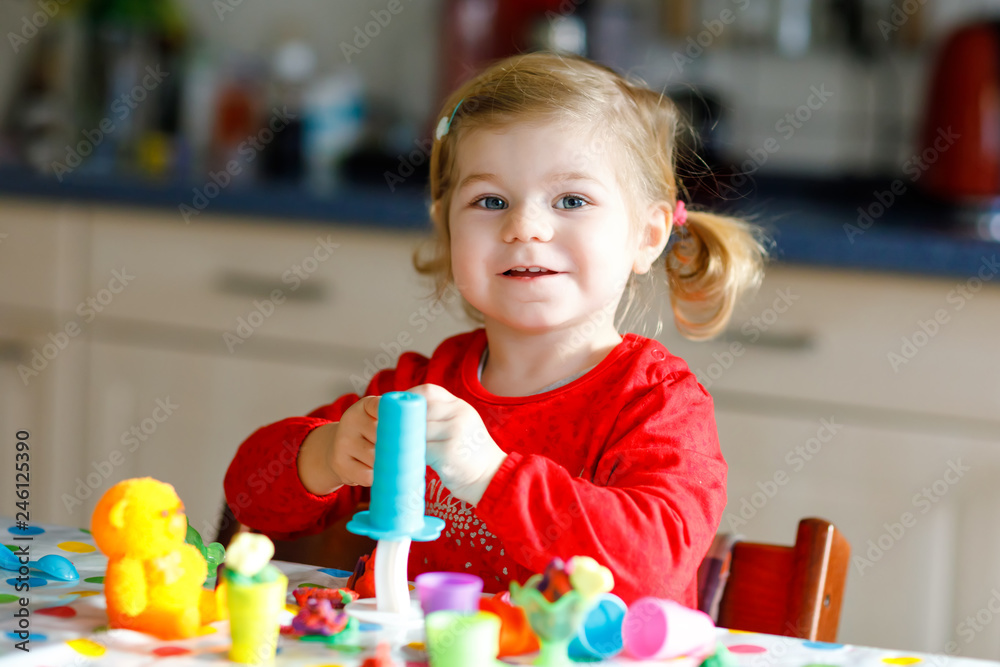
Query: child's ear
[(653, 234), (436, 212)]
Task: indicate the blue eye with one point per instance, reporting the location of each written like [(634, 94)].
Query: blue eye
[(490, 198), (575, 198)]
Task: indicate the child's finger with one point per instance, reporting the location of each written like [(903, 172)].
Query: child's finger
[(368, 428), (364, 453), (434, 393), (370, 404), (437, 430), (357, 473)]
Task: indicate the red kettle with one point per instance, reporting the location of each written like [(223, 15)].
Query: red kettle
[(959, 153)]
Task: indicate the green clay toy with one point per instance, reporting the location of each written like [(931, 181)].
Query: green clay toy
[(213, 554), (555, 623), (721, 658), (557, 620)]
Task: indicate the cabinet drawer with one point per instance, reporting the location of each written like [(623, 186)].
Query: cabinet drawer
[(881, 341), (335, 285), (41, 256)]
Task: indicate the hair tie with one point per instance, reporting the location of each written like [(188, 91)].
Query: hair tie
[(680, 214), (445, 123)]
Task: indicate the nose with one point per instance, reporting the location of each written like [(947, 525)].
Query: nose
[(527, 222)]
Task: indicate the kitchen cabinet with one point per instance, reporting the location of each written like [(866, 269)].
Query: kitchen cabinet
[(910, 503), (817, 417), (42, 347), (179, 416)]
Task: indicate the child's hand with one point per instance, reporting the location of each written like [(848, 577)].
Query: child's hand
[(459, 448), (351, 455), (341, 453)]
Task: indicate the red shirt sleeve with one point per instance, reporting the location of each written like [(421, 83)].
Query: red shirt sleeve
[(650, 512), (262, 483)]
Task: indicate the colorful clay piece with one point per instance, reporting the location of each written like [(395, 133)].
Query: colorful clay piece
[(363, 579), (721, 658), (382, 657), (57, 567), (588, 577), (555, 614), (213, 553), (154, 580), (255, 592), (516, 636), (321, 611), (555, 581), (8, 561)]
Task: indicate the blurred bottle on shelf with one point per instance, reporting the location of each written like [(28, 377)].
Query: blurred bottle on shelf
[(794, 33), (292, 69), (334, 114), (475, 33), (134, 60), (199, 97), (564, 32), (39, 124)]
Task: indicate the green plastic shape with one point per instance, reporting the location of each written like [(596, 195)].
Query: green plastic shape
[(213, 554)]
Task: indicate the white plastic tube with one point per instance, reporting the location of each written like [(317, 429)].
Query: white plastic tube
[(392, 592)]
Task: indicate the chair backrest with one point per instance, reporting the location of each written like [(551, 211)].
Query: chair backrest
[(333, 547), (794, 591)]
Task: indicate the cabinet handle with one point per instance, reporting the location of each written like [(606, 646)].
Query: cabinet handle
[(236, 283), (792, 341), (12, 351)]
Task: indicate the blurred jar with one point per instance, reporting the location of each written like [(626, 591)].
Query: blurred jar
[(292, 70), (794, 32), (333, 117), (237, 119)]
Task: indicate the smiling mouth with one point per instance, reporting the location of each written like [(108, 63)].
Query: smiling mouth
[(529, 272)]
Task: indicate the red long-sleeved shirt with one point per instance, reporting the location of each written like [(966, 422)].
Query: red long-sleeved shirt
[(621, 464)]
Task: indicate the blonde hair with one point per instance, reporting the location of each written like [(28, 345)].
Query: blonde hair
[(713, 258)]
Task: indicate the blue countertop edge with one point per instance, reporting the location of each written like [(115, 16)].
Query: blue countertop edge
[(806, 230)]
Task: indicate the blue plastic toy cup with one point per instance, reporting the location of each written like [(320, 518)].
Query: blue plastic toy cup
[(600, 635)]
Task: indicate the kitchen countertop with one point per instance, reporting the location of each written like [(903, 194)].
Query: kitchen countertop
[(809, 220)]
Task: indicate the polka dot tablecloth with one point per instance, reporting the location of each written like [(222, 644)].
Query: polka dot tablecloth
[(68, 626)]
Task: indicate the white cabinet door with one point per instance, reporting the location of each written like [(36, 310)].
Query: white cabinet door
[(917, 507), (180, 416), (48, 404), (43, 347)]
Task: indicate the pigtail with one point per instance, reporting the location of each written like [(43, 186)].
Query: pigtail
[(713, 260)]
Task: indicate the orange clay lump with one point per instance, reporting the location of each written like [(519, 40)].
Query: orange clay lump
[(154, 579)]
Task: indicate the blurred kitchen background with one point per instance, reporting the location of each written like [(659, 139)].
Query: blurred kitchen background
[(364, 82), (208, 212)]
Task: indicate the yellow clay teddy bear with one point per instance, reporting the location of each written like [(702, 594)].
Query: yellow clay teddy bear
[(154, 580)]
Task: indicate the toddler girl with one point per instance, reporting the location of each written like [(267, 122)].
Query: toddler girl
[(548, 433)]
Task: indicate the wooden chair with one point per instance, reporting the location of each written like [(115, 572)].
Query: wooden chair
[(334, 547), (794, 591)]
